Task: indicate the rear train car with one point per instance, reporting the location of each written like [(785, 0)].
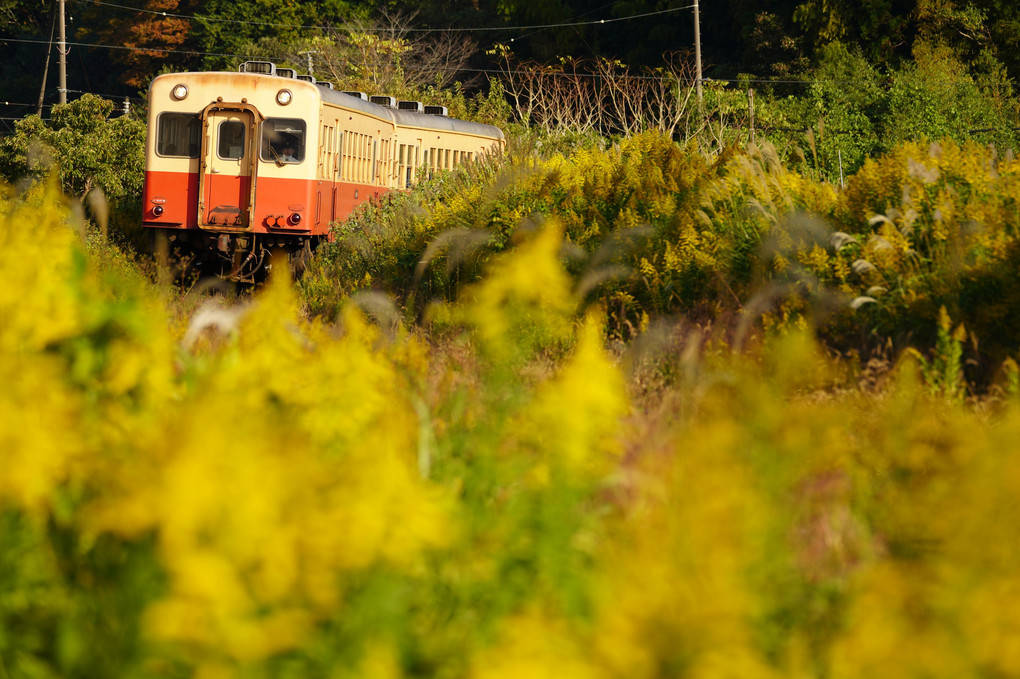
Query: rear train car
[(238, 164)]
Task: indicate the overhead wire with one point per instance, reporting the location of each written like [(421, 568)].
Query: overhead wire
[(108, 96), (525, 37), (135, 49), (371, 30), (81, 62), (496, 71)]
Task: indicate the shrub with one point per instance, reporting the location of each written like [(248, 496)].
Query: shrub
[(92, 154)]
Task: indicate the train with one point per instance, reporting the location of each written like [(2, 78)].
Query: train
[(243, 164)]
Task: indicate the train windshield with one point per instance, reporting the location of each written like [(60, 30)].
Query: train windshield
[(283, 140), (178, 134)]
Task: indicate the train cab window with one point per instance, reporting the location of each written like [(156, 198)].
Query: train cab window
[(178, 135), (231, 140), (283, 140)]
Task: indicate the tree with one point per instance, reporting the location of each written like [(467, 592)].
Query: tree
[(90, 150), (379, 57), (223, 28), (154, 36)]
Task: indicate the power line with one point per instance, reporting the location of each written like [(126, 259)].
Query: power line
[(108, 96), (728, 81), (386, 30), (134, 49), (580, 16)]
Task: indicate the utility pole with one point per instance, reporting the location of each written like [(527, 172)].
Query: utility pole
[(309, 54), (62, 49), (46, 66), (697, 51), (751, 110)]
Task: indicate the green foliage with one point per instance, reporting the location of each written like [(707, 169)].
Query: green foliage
[(944, 372), (841, 107), (852, 111), (89, 149), (918, 106), (224, 29), (98, 159)]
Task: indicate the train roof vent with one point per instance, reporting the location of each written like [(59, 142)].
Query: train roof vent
[(306, 78), (437, 111), (383, 100), (358, 95), (286, 72), (415, 106), (323, 83), (263, 67)]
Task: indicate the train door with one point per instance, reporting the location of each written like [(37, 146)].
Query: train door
[(227, 175), (332, 166)]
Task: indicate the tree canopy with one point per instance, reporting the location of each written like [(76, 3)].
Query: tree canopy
[(121, 46)]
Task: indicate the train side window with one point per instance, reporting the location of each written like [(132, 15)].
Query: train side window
[(231, 140), (324, 150), (178, 135), (375, 161), (402, 164), (341, 165), (283, 140)]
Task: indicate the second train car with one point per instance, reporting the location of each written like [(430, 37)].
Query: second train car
[(238, 164)]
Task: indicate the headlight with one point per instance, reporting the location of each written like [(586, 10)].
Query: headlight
[(180, 92), (283, 97)]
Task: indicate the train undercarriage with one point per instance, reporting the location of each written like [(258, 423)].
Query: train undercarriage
[(238, 257)]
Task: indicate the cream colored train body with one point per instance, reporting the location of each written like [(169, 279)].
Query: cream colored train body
[(238, 163)]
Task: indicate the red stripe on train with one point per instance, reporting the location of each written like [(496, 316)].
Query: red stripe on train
[(317, 202)]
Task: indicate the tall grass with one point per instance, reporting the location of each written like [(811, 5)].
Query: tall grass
[(268, 495), (739, 241)]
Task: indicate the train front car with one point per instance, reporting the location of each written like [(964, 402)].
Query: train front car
[(231, 167)]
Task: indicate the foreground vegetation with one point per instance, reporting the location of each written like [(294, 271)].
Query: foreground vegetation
[(616, 406), (736, 245), (241, 491)]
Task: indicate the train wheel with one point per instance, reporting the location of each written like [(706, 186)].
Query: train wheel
[(175, 260), (299, 259), (159, 248)]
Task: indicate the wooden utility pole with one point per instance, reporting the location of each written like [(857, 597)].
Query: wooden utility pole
[(46, 66), (697, 51), (62, 49), (750, 108), (308, 55)]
